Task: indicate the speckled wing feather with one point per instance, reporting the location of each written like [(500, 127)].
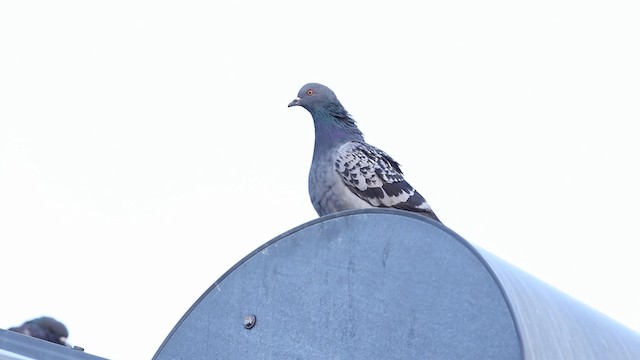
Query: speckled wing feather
[(375, 177)]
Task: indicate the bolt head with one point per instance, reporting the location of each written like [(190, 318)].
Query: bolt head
[(249, 321)]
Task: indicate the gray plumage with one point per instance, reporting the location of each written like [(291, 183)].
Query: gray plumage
[(346, 172), (44, 328)]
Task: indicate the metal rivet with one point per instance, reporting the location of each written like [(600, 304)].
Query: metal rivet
[(249, 321)]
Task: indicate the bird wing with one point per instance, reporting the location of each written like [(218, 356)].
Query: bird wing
[(376, 178)]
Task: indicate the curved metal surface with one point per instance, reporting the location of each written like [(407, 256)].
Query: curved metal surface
[(389, 284), (359, 285), (554, 325)]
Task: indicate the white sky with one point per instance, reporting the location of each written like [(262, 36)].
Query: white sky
[(146, 147)]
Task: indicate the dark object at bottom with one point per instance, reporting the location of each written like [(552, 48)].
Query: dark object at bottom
[(15, 346), (44, 328), (386, 284)]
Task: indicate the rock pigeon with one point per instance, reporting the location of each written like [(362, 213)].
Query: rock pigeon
[(44, 328), (346, 172)]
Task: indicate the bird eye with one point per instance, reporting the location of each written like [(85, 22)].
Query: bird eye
[(309, 92)]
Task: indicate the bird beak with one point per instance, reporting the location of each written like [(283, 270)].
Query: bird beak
[(295, 102)]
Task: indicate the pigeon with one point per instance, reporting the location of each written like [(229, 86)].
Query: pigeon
[(346, 172), (44, 328)]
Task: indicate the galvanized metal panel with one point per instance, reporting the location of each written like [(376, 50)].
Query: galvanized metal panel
[(367, 284), (555, 326)]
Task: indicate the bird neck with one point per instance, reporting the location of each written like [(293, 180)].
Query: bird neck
[(334, 121), (334, 126)]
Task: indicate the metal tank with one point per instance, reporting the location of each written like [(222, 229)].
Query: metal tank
[(387, 284)]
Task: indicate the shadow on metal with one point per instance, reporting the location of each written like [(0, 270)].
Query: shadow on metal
[(387, 284)]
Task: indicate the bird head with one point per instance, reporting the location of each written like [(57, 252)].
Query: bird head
[(313, 95), (327, 111)]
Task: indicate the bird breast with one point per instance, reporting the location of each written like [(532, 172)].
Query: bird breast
[(328, 192)]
